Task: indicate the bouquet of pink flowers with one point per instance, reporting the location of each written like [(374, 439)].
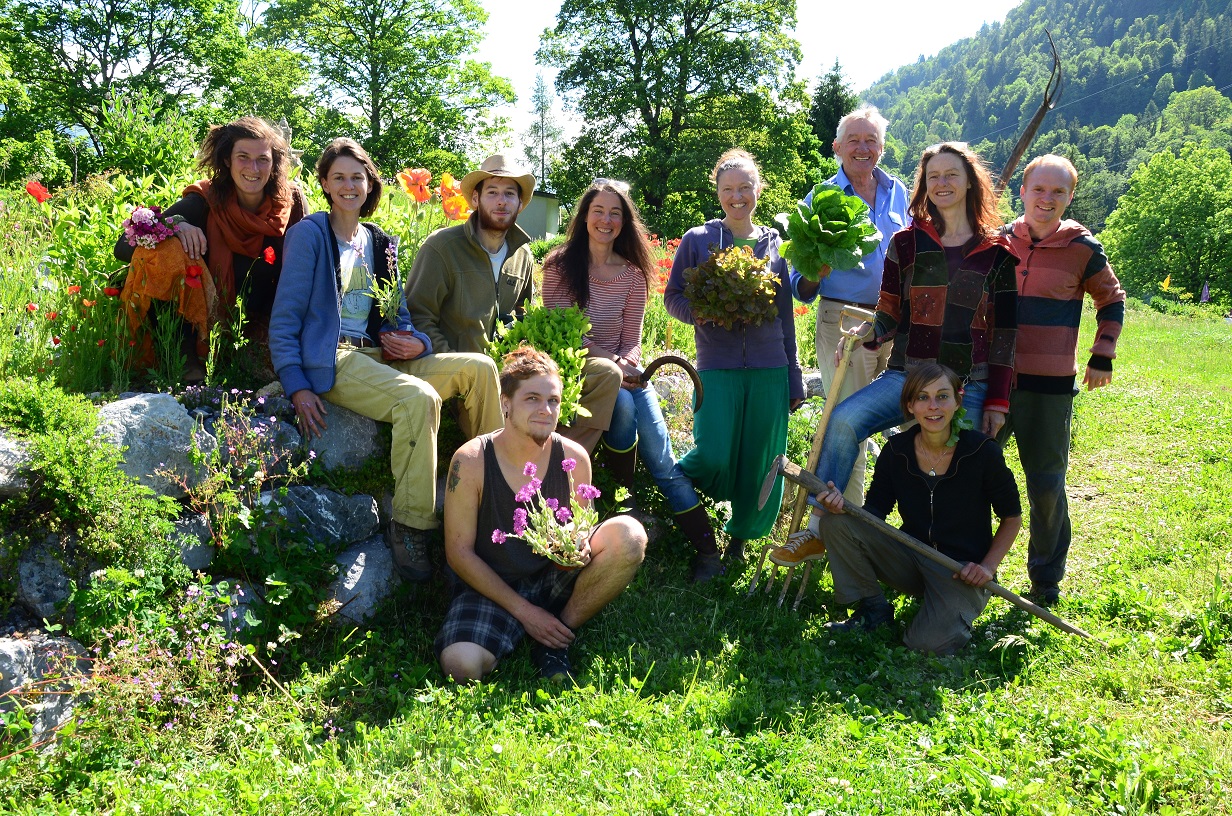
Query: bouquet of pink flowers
[(548, 527), (147, 227)]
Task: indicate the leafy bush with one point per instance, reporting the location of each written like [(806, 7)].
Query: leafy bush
[(76, 489), (541, 247)]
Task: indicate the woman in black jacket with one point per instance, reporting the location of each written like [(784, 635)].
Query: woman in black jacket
[(948, 483)]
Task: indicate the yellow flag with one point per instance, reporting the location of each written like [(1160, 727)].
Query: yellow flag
[(1167, 282)]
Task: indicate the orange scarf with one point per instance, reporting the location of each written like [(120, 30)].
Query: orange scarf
[(240, 231)]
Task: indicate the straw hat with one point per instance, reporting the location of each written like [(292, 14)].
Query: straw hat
[(500, 165)]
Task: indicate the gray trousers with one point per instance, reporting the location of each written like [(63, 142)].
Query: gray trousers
[(862, 558)]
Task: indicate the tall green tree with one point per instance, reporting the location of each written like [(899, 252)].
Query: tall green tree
[(832, 100), (1176, 220), (75, 55), (648, 77), (403, 64), (541, 142)]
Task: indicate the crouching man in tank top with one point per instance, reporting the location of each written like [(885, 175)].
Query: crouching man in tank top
[(502, 589)]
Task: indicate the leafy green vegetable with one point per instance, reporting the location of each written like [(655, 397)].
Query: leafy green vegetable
[(558, 333), (732, 286), (834, 233)]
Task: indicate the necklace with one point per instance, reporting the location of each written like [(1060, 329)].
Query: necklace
[(936, 460)]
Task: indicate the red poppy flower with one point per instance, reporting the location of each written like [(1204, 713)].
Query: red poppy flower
[(72, 290), (55, 341), (52, 315), (31, 307), (88, 303), (72, 328), (38, 191), (801, 310), (101, 340), (269, 255), (192, 276), (111, 291)]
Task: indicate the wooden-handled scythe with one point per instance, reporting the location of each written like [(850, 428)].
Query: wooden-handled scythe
[(1052, 92), (792, 472)]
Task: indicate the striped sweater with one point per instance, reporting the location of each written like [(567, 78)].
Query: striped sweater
[(963, 318), (616, 309), (1053, 275)]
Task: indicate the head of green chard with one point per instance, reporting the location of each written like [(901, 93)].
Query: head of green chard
[(834, 232)]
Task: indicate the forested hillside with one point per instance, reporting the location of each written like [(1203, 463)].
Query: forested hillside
[(1124, 61)]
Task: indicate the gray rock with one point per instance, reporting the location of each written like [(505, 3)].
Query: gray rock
[(348, 441), (365, 579), (196, 545), (812, 384), (13, 457), (156, 434), (330, 518), (41, 580), (53, 663)]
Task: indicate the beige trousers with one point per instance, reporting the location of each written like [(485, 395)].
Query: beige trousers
[(599, 390), (408, 394), (864, 366)]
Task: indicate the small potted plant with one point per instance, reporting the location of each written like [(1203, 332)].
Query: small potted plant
[(389, 297)]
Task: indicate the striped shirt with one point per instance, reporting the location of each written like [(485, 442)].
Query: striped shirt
[(616, 309)]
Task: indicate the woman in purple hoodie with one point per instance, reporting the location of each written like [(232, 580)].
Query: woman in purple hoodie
[(750, 373)]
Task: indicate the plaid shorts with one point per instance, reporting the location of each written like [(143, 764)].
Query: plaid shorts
[(475, 618)]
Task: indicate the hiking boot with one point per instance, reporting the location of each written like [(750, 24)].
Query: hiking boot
[(870, 614), (1044, 594), (410, 549), (707, 566), (553, 664), (801, 546)]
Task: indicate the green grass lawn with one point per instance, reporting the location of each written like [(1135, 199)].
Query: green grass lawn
[(705, 701)]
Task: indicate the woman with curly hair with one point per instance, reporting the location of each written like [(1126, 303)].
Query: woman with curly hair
[(234, 221)]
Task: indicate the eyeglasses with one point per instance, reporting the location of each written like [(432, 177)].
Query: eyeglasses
[(615, 184)]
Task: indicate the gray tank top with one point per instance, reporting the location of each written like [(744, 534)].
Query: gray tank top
[(513, 560)]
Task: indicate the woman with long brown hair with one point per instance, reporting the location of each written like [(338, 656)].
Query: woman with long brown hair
[(603, 269)]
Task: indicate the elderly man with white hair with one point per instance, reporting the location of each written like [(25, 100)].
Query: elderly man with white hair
[(858, 146)]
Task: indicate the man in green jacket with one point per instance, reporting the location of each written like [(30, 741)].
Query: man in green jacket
[(467, 278)]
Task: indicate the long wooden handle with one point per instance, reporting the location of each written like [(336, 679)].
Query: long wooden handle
[(836, 385), (810, 483)]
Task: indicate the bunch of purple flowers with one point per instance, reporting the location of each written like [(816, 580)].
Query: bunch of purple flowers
[(147, 227), (551, 529)]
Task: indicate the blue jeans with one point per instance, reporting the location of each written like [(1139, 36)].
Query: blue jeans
[(637, 420), (874, 408)]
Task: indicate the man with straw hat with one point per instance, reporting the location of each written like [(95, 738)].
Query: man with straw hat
[(466, 278)]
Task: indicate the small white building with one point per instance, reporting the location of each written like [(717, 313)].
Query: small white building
[(541, 218)]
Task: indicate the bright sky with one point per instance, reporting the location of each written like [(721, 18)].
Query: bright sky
[(901, 30)]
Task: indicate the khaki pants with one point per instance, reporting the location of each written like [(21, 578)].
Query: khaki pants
[(599, 390), (863, 558), (408, 394), (864, 366)]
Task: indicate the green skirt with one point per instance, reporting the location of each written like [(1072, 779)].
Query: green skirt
[(741, 427)]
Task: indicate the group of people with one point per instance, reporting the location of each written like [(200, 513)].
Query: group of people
[(981, 324), (950, 288)]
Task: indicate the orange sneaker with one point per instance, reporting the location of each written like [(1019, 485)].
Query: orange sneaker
[(801, 546)]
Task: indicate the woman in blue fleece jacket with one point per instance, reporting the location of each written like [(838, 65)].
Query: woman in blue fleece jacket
[(750, 373), (330, 343)]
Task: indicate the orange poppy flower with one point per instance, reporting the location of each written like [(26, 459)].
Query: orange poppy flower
[(456, 208), (415, 183), (450, 187), (88, 303)]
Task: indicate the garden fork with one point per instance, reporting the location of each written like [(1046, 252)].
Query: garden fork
[(861, 322)]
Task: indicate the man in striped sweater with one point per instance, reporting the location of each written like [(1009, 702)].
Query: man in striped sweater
[(1058, 262)]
